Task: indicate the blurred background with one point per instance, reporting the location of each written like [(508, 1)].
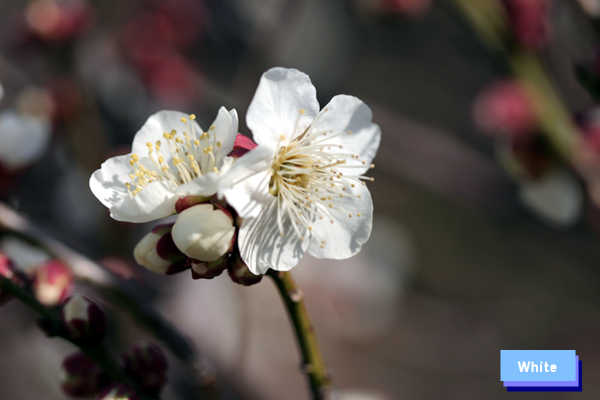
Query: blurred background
[(486, 201)]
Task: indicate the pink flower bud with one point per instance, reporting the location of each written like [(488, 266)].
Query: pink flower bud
[(81, 376), (529, 21), (147, 365), (57, 20), (505, 108), (157, 252), (85, 321), (241, 146), (52, 282), (239, 273)]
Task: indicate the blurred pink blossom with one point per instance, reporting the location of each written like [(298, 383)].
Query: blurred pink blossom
[(505, 108), (529, 21)]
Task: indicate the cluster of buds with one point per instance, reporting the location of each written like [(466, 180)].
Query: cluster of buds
[(202, 239), (145, 366), (507, 111)]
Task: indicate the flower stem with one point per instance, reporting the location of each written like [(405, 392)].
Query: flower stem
[(312, 361)]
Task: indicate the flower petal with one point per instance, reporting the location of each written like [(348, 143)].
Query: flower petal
[(352, 119), (283, 106), (225, 128), (108, 185), (23, 139), (262, 246), (156, 125), (347, 228), (247, 182)]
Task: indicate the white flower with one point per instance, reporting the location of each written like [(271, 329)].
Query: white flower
[(171, 157), (23, 139), (304, 190)]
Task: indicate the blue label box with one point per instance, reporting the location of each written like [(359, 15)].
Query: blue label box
[(540, 370)]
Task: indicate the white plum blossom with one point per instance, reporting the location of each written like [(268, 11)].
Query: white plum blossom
[(171, 157), (23, 139), (303, 190)]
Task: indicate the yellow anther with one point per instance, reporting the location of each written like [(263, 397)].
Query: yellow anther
[(212, 128), (183, 119), (192, 116), (301, 111), (219, 144), (197, 142)]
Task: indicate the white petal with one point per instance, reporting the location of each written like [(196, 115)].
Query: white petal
[(352, 218), (262, 246), (247, 182), (283, 106), (360, 135), (156, 125), (23, 139), (224, 128), (108, 185), (556, 197)]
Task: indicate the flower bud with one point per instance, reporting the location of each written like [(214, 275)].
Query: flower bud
[(157, 252), (529, 21), (207, 270), (81, 376), (84, 319), (239, 273), (505, 108), (204, 233), (52, 282), (147, 365), (118, 392)]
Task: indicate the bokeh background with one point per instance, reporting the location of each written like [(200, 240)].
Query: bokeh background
[(467, 256)]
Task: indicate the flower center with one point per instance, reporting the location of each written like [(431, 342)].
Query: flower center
[(310, 181), (190, 154)]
